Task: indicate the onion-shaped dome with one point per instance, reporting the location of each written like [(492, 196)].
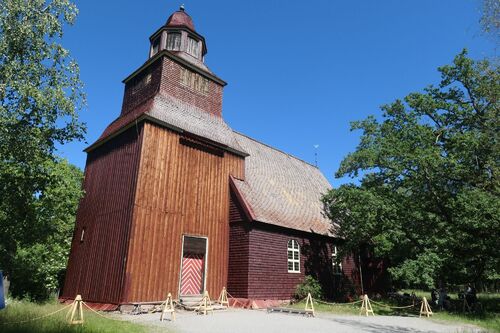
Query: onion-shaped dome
[(180, 19)]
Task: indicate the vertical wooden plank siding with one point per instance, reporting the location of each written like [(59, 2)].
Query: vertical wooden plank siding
[(96, 266), (180, 191)]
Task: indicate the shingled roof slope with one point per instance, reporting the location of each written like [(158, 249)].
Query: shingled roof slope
[(182, 117), (283, 190), (193, 120)]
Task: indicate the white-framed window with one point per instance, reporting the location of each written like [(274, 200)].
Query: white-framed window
[(336, 263), (174, 41), (293, 256), (193, 47)]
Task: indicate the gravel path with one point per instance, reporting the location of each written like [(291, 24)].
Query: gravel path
[(250, 321)]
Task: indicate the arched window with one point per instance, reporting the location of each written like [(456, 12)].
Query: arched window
[(336, 263), (293, 256)]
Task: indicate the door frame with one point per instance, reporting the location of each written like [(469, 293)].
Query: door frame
[(205, 262)]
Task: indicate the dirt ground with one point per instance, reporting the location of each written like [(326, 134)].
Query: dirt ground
[(250, 321)]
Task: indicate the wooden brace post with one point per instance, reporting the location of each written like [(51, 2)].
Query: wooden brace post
[(223, 298), (75, 313), (366, 307), (425, 308), (309, 309), (168, 307), (205, 304)]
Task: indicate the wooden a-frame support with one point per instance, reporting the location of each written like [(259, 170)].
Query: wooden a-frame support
[(223, 298), (366, 307), (168, 307), (425, 308), (309, 308), (205, 304), (75, 313)]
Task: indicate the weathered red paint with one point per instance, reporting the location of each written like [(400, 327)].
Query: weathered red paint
[(96, 264), (258, 260)]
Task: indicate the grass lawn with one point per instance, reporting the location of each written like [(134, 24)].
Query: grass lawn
[(488, 319), (20, 311)]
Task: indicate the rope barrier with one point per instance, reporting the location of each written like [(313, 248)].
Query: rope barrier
[(235, 299), (335, 304), (356, 302), (106, 317), (395, 307), (37, 318)]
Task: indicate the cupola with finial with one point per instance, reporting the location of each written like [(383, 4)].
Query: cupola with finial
[(175, 69), (179, 36)]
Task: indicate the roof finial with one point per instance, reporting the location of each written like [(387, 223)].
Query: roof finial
[(316, 155), (181, 8)]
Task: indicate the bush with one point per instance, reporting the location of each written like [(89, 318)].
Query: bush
[(310, 285)]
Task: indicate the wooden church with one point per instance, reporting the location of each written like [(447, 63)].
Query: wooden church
[(176, 201)]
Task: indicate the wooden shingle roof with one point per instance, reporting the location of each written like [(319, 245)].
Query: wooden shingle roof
[(178, 116), (281, 189)]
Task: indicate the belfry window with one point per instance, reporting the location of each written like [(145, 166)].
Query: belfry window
[(156, 46), (193, 47), (174, 41), (293, 256)]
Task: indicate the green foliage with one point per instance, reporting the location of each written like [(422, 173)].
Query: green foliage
[(41, 254), (428, 197), (310, 285), (490, 18), (40, 96)]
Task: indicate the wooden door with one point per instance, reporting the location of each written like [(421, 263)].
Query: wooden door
[(193, 268)]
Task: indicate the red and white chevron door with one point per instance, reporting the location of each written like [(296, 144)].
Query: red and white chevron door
[(192, 274)]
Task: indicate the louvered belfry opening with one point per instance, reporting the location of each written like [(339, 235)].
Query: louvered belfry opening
[(193, 266)]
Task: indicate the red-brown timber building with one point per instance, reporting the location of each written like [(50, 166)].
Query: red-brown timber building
[(176, 201)]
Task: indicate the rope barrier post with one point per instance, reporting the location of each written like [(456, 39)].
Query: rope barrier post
[(168, 307), (425, 308), (366, 307), (309, 309), (75, 313), (205, 304), (223, 298)]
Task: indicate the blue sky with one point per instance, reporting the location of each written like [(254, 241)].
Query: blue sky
[(298, 71)]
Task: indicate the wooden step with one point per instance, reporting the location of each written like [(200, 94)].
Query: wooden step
[(190, 300), (214, 307), (290, 311)]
